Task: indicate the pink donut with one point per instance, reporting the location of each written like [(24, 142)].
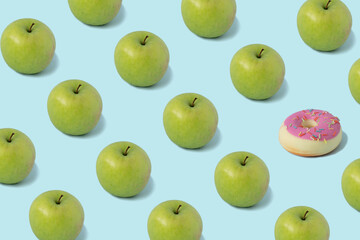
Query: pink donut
[(310, 133)]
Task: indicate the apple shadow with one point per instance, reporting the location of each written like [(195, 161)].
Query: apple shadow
[(146, 192), (99, 128), (348, 45), (281, 94), (83, 234), (232, 32), (342, 144), (215, 141), (164, 81), (34, 174), (54, 64), (120, 17), (266, 201), (202, 237)]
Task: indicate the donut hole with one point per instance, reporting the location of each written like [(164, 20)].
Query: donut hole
[(309, 123)]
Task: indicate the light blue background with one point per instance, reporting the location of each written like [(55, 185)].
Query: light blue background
[(313, 80)]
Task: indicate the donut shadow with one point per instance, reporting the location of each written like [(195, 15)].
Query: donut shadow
[(339, 148), (342, 144)]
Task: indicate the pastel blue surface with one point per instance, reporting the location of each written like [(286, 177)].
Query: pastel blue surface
[(313, 80)]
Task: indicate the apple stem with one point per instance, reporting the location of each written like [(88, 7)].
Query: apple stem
[(78, 88), (126, 151), (10, 138), (261, 52), (245, 161), (327, 5), (59, 200), (304, 217), (31, 27), (178, 209), (144, 42), (193, 102)]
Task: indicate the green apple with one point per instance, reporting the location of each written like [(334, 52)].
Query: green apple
[(208, 18), (257, 71), (354, 80), (241, 179), (123, 169), (351, 185), (141, 58), (17, 156), (174, 220), (95, 12), (27, 46), (74, 107), (301, 223), (324, 25), (190, 120), (56, 215)]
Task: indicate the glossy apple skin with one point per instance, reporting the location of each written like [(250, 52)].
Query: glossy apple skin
[(239, 185), (257, 78), (52, 221), (190, 127), (354, 80), (95, 12), (141, 65), (16, 157), (123, 175), (321, 29), (208, 18), (165, 224), (351, 184), (27, 52), (291, 226), (71, 113)]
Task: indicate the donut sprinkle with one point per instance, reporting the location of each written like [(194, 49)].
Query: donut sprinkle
[(313, 125)]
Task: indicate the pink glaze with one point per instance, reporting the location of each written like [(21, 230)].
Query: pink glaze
[(328, 125)]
